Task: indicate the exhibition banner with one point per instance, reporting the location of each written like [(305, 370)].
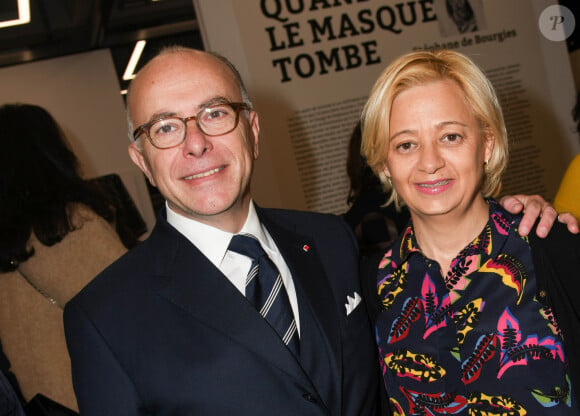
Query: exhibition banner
[(309, 66)]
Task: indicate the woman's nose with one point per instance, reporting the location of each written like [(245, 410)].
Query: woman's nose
[(430, 159)]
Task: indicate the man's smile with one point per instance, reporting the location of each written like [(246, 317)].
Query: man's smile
[(204, 174)]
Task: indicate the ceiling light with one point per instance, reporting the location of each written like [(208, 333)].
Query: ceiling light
[(134, 60), (23, 15)]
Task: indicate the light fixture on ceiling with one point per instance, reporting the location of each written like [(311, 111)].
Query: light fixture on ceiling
[(23, 15), (134, 60)]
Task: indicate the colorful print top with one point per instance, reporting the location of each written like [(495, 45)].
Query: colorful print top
[(473, 342)]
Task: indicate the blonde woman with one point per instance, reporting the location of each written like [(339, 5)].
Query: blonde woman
[(469, 317)]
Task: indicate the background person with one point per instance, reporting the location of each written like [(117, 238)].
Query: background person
[(568, 195), (10, 402), (466, 319), (56, 233), (374, 224)]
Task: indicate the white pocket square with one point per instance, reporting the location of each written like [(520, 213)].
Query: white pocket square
[(352, 302)]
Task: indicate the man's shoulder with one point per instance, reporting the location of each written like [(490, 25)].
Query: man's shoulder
[(113, 279), (558, 254), (557, 240), (302, 217), (326, 230), (127, 273)]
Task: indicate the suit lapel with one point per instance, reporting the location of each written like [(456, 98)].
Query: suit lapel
[(320, 349), (191, 282), (301, 255)]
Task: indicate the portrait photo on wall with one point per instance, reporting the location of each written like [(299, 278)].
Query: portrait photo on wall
[(457, 17)]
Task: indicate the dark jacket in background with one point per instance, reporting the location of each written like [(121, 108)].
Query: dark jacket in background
[(9, 401), (557, 262)]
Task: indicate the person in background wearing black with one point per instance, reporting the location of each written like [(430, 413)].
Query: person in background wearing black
[(10, 402), (57, 230), (374, 224)]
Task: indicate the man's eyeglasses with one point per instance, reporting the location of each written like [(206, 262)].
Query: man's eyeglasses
[(214, 120)]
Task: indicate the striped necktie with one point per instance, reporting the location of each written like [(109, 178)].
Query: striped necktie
[(265, 290)]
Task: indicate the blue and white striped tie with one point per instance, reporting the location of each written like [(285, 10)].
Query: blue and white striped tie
[(265, 290)]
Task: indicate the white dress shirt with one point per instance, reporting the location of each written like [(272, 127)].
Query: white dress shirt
[(213, 243)]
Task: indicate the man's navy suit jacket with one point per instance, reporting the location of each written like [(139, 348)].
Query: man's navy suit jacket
[(163, 332)]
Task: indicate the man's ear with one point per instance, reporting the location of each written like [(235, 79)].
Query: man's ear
[(255, 127), (137, 157)]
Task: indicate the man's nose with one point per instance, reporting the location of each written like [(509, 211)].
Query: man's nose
[(196, 142)]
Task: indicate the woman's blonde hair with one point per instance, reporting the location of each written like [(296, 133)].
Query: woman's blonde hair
[(419, 68)]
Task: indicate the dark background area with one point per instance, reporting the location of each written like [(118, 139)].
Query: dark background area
[(64, 27)]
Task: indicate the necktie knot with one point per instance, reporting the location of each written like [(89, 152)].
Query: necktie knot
[(247, 245)]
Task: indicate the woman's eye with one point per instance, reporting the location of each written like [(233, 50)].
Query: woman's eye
[(404, 147), (452, 138)]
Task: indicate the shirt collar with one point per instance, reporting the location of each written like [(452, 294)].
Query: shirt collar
[(503, 222), (407, 242), (211, 241), (254, 226)]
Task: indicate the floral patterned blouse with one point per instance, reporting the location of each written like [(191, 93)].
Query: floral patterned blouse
[(473, 342)]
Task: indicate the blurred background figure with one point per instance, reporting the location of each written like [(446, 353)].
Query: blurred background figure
[(9, 401), (568, 196), (57, 231), (374, 224), (9, 404)]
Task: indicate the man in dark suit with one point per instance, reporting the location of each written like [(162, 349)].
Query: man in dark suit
[(168, 329)]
